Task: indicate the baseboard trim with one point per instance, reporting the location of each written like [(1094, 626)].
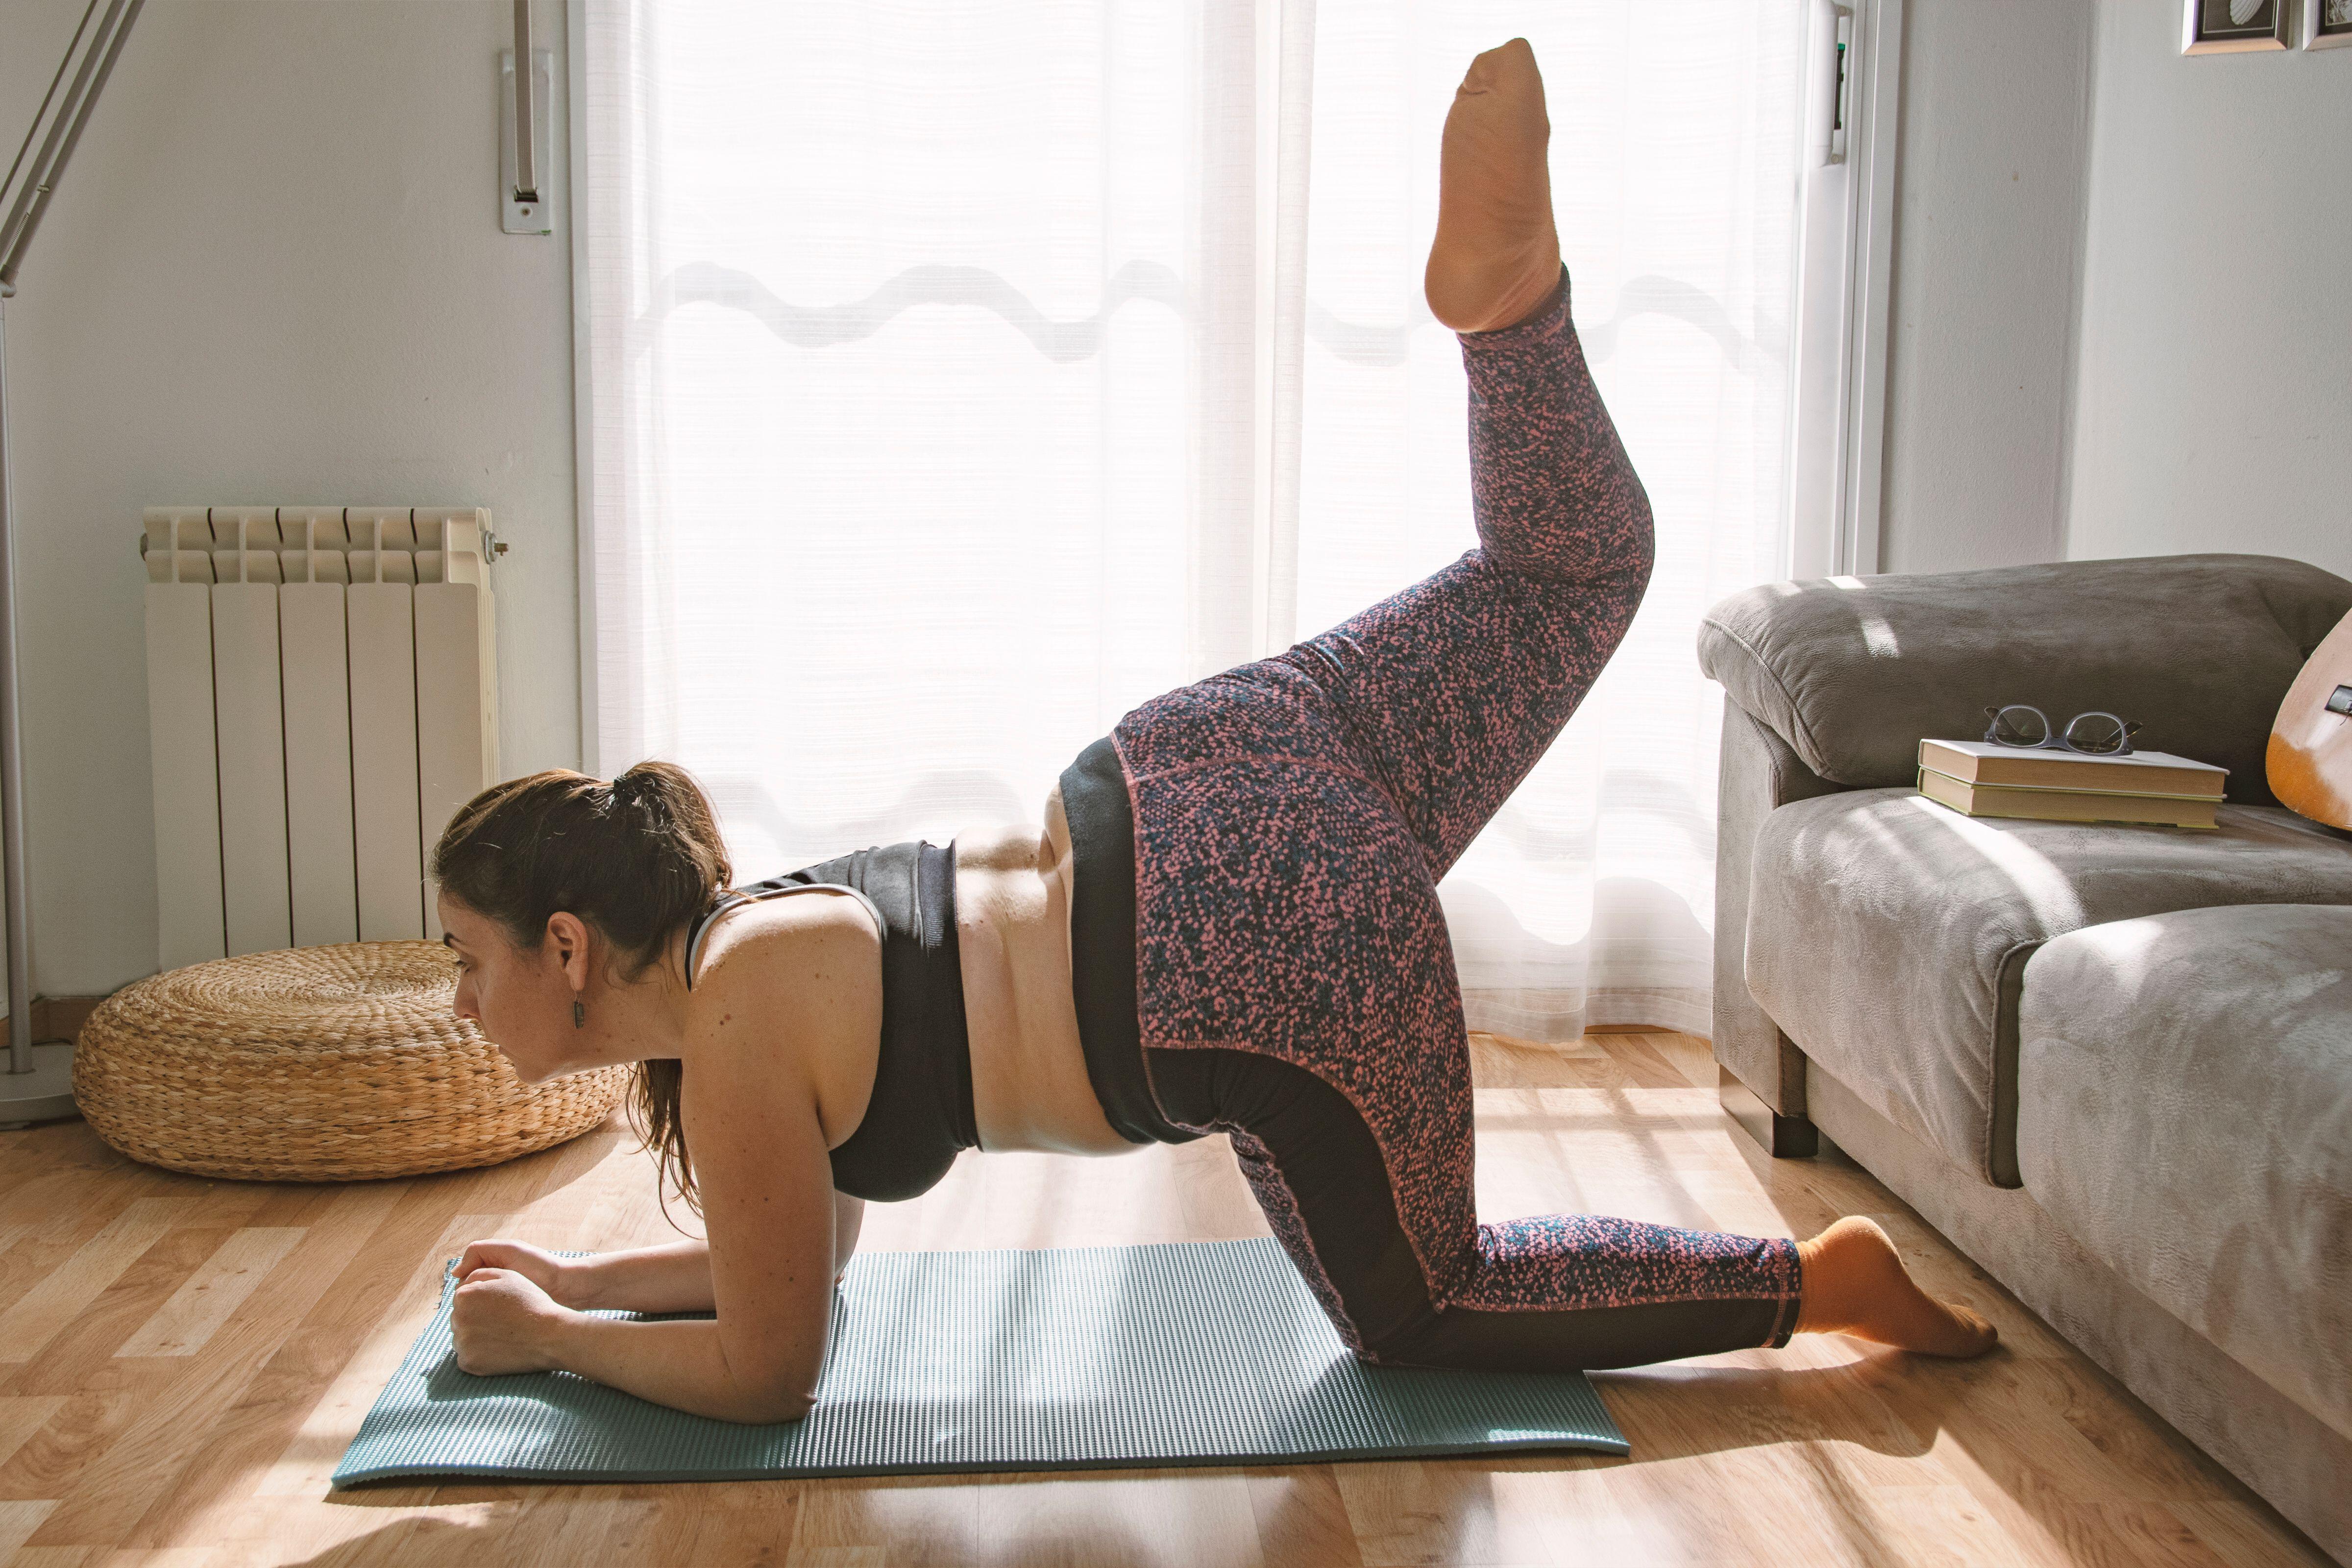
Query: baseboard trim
[(58, 1017)]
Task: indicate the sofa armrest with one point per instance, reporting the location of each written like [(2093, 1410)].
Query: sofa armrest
[(1852, 672), (1758, 774)]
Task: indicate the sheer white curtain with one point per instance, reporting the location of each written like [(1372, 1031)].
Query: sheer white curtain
[(962, 376)]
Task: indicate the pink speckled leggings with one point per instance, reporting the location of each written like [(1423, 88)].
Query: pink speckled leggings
[(1294, 982)]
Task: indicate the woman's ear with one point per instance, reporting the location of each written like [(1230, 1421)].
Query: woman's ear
[(567, 936)]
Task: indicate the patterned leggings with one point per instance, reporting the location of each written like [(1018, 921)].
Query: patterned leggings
[(1294, 981)]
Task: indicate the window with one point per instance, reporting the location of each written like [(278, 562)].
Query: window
[(959, 378)]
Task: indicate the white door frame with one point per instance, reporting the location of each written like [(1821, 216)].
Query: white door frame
[(1837, 421)]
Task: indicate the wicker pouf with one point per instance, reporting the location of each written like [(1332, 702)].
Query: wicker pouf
[(336, 1063)]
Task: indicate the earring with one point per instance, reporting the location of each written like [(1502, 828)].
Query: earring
[(579, 1014)]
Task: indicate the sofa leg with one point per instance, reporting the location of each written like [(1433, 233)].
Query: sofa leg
[(1782, 1137)]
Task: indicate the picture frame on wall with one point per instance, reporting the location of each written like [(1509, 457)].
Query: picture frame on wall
[(2236, 26), (2327, 24)]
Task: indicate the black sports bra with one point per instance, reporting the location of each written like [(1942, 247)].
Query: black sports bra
[(921, 1115)]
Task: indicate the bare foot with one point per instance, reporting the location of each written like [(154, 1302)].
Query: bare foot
[(1854, 1283), (1497, 256)]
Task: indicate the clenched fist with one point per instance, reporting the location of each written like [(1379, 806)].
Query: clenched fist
[(542, 1268), (503, 1321)]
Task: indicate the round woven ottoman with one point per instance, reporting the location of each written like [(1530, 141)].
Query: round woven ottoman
[(336, 1063)]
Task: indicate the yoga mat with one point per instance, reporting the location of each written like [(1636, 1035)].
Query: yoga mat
[(1202, 1352)]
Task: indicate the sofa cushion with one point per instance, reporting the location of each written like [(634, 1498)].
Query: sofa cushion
[(1888, 936), (2185, 1111), (1853, 671)]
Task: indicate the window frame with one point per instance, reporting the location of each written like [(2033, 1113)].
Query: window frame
[(1837, 422)]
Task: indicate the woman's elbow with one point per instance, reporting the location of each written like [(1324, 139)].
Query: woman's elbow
[(761, 1395), (768, 1407)]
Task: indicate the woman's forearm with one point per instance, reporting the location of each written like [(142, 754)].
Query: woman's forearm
[(680, 1364), (674, 1277)]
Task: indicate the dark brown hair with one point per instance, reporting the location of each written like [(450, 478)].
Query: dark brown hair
[(636, 860)]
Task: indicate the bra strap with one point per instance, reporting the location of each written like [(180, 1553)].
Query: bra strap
[(701, 928)]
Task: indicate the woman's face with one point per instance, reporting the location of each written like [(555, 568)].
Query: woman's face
[(521, 1000)]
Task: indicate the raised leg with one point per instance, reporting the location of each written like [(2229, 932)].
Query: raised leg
[(1449, 691)]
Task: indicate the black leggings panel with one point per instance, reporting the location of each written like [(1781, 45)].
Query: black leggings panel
[(1286, 1117)]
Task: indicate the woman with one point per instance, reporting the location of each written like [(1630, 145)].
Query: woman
[(1229, 924)]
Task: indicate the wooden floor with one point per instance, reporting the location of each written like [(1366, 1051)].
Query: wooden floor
[(182, 1362)]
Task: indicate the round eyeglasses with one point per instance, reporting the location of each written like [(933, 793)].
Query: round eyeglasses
[(2093, 734)]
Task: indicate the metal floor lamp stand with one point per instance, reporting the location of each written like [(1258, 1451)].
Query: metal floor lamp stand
[(38, 1083)]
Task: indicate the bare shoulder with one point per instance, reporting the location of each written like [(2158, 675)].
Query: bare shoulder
[(799, 976)]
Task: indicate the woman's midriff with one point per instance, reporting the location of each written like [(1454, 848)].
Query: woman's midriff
[(1029, 1084)]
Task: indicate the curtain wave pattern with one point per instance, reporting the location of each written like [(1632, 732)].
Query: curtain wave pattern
[(961, 376)]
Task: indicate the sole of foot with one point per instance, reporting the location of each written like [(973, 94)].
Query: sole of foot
[(1495, 258)]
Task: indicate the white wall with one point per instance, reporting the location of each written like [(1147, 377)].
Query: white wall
[(273, 274), (2214, 384), (1989, 201)]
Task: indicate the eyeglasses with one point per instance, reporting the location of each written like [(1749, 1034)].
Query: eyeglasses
[(2092, 734)]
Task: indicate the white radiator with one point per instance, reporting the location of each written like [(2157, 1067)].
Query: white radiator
[(322, 697)]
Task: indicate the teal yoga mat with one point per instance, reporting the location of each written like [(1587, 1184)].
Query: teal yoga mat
[(1204, 1353)]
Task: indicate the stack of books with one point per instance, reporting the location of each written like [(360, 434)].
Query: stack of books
[(1981, 779)]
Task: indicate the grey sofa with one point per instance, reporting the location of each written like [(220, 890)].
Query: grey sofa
[(2113, 1064)]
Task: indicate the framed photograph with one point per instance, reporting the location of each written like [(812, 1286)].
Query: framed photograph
[(2327, 24), (2236, 26)]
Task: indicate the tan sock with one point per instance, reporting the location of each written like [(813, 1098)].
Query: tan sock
[(1854, 1283), (1496, 259)]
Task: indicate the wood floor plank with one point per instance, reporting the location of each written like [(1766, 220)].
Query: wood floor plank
[(841, 1557), (45, 1310), (1411, 1512), (20, 1417), (294, 1206), (505, 1189), (368, 1530), (2249, 1535), (1693, 1056), (1940, 1527), (914, 1522), (1499, 1061), (18, 1519), (62, 1213), (177, 1416), (51, 1462), (1170, 1518), (563, 1527), (219, 1286), (1647, 1066), (83, 1356), (1302, 1518), (749, 1522), (55, 1556)]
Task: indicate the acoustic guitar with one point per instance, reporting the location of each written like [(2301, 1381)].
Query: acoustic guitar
[(2310, 757)]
